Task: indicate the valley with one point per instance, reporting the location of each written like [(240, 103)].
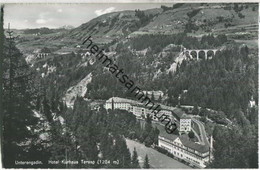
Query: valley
[(199, 61)]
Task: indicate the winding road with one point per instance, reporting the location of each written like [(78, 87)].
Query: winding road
[(203, 134)]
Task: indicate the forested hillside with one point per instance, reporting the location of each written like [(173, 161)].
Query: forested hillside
[(37, 127), (20, 142), (226, 83), (38, 123)]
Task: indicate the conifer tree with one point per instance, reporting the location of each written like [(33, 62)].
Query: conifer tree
[(19, 121), (195, 110), (146, 162), (122, 153), (61, 145), (135, 161), (191, 134), (106, 143), (46, 109)]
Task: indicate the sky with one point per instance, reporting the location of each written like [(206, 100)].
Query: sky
[(22, 16)]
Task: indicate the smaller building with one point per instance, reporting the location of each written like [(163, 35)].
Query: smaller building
[(157, 94), (184, 149), (96, 105), (185, 124), (167, 113), (138, 111), (120, 103)]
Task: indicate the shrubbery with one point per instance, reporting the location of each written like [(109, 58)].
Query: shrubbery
[(159, 149)]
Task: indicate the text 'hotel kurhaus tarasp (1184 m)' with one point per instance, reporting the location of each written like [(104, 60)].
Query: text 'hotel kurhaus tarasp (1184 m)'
[(197, 154)]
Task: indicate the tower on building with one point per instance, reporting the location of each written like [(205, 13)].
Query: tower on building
[(185, 124)]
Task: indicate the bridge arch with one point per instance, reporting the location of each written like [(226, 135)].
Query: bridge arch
[(193, 54), (210, 54), (217, 52), (202, 54)]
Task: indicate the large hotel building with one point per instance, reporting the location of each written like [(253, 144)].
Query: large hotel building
[(138, 109), (181, 146), (185, 149)]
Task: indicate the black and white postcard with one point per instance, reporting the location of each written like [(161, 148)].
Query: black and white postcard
[(129, 85)]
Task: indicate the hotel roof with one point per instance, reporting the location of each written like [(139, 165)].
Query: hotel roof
[(132, 102), (122, 100), (163, 133), (185, 140), (177, 111)]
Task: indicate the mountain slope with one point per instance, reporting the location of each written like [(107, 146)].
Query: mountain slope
[(201, 18), (110, 26)]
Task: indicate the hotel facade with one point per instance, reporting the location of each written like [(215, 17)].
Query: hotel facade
[(180, 146), (184, 149), (138, 109)]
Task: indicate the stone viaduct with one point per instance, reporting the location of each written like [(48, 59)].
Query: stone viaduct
[(206, 52), (42, 55)]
